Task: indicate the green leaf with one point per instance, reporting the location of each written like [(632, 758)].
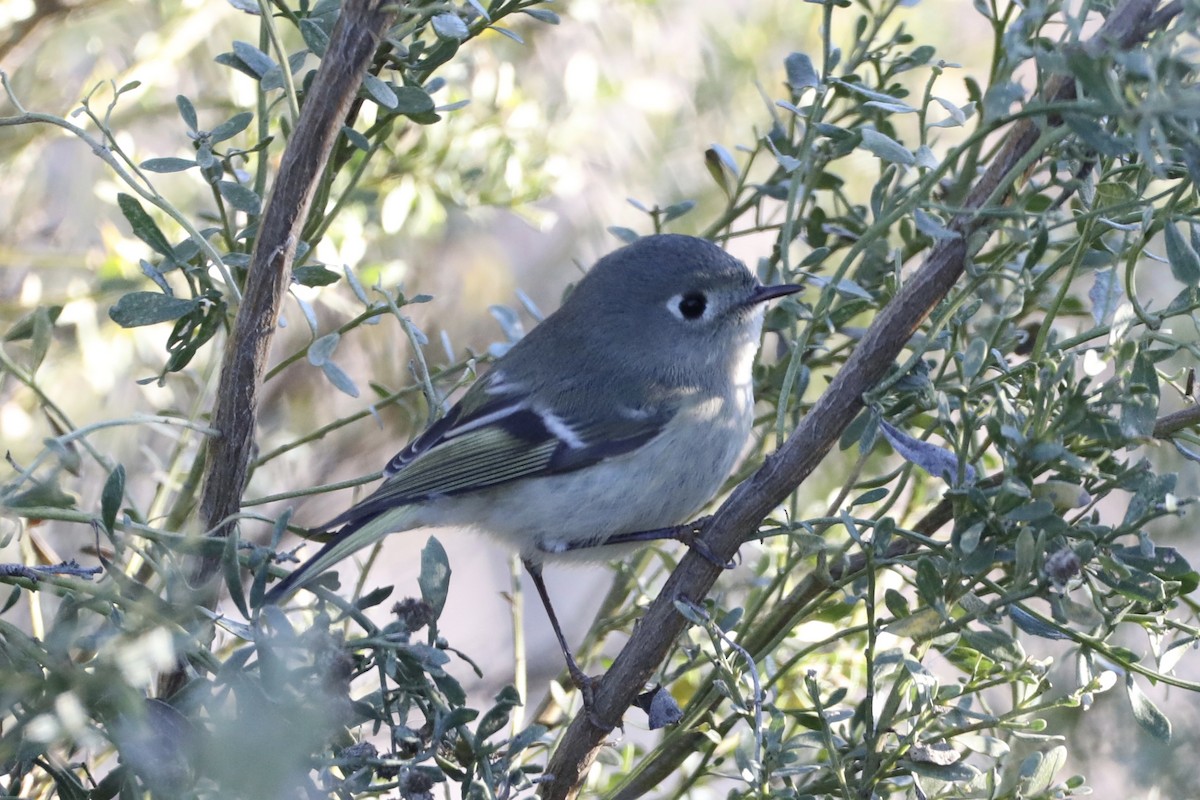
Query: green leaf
[(937, 461), (1038, 770), (188, 112), (316, 38), (450, 26), (1165, 563), (932, 227), (872, 496), (1034, 625), (975, 357), (677, 210), (624, 234), (380, 91), (1139, 405), (240, 197), (338, 377), (542, 15), (314, 276), (435, 576), (40, 494), (886, 148), (167, 164), (230, 127), (497, 717), (322, 349), (412, 101), (1185, 263), (800, 72), (143, 226), (232, 572), (38, 327), (356, 139), (111, 497), (259, 62), (996, 645), (149, 308), (1148, 715), (929, 582)]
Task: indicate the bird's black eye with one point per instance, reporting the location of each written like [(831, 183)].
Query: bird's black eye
[(692, 305)]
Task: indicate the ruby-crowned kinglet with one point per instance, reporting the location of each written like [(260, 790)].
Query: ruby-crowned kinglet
[(624, 411)]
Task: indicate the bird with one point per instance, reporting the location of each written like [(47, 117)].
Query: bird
[(618, 416)]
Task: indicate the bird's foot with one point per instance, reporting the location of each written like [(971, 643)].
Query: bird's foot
[(690, 536)]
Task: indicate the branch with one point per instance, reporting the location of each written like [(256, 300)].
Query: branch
[(352, 45), (783, 471)]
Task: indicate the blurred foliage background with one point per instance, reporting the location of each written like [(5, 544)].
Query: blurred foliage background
[(482, 219)]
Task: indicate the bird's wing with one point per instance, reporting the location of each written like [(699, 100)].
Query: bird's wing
[(493, 436)]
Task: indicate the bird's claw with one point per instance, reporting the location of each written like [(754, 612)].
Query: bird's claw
[(690, 536)]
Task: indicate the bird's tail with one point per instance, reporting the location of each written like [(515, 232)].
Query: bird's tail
[(354, 536)]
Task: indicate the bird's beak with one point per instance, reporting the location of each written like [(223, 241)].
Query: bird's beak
[(764, 293)]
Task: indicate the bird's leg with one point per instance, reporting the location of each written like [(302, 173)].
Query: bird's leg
[(582, 681), (686, 533)]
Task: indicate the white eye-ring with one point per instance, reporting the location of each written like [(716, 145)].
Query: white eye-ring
[(691, 305)]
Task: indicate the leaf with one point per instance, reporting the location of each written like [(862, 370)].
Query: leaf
[(542, 15), (886, 148), (38, 327), (338, 377), (1038, 770), (435, 575), (149, 308), (259, 62), (929, 582), (1139, 407), (188, 112), (240, 197), (937, 461), (624, 234), (111, 497), (230, 127), (412, 101), (1034, 625), (1105, 295), (1148, 715), (506, 32), (231, 570), (316, 38), (958, 116), (975, 357), (314, 276), (450, 26), (167, 164), (891, 108), (721, 166), (41, 493), (800, 72), (932, 227), (677, 210), (873, 496), (1185, 263), (996, 645), (859, 89), (322, 349), (380, 91), (497, 717), (1166, 563), (143, 226)]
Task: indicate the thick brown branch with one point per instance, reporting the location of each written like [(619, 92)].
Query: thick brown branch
[(779, 476), (351, 47)]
